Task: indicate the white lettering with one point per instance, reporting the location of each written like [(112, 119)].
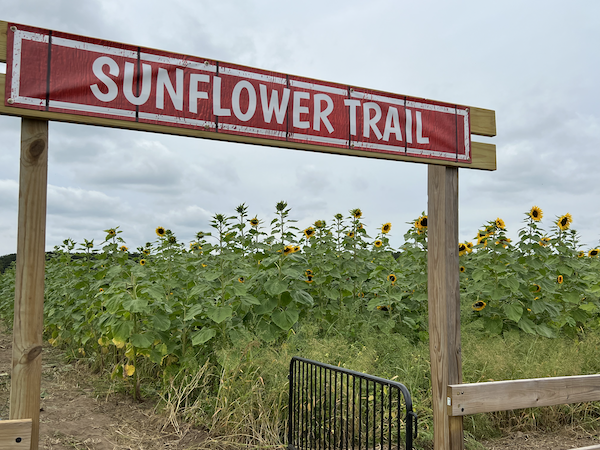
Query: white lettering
[(420, 138), (163, 81), (299, 95), (409, 126), (128, 84), (392, 124), (195, 92), (353, 104), (113, 69), (217, 110), (269, 107), (370, 123), (320, 115), (235, 100)]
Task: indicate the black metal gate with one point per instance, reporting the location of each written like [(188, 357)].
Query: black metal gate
[(335, 408)]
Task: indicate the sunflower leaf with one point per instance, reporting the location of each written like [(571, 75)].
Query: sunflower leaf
[(160, 322), (513, 311), (527, 325), (219, 313), (275, 286), (142, 340), (302, 297), (285, 319), (202, 336)]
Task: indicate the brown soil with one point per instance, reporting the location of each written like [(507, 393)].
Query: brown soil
[(79, 410)]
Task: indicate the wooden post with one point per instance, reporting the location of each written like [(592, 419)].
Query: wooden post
[(26, 373), (444, 301), (15, 434)]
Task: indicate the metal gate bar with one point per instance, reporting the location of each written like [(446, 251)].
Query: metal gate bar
[(335, 408)]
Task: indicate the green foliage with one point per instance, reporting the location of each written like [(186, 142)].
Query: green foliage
[(245, 297), (544, 284)]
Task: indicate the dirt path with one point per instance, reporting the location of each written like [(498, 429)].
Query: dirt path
[(79, 410)]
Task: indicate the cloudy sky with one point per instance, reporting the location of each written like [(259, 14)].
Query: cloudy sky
[(537, 64)]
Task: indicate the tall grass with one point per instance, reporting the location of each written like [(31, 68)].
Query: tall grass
[(247, 405)]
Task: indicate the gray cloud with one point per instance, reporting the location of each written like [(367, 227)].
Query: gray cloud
[(533, 68)]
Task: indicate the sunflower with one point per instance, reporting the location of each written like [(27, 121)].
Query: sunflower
[(172, 240), (146, 251), (160, 231), (593, 252), (503, 242), (544, 241), (462, 269), (142, 262), (581, 254), (288, 249), (469, 246), (500, 224), (462, 249), (319, 223), (378, 243), (391, 277), (536, 288), (564, 222), (296, 249), (350, 234), (309, 232), (481, 234), (101, 290), (356, 213), (386, 227), (111, 232), (123, 248), (309, 279), (478, 306), (308, 273), (241, 279), (253, 222), (482, 240), (536, 213), (560, 279), (384, 308)]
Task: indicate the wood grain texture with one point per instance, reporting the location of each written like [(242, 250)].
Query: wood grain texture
[(444, 301), (15, 434), (3, 27), (476, 398), (483, 155), (29, 280), (483, 122)]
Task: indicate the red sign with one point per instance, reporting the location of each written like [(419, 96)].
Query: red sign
[(59, 72)]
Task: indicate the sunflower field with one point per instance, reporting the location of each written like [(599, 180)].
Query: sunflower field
[(150, 315)]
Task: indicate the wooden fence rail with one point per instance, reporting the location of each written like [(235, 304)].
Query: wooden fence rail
[(473, 398)]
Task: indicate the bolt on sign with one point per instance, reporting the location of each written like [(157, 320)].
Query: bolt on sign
[(56, 72)]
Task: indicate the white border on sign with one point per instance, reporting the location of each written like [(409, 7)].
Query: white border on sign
[(20, 36)]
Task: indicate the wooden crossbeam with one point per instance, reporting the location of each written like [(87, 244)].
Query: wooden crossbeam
[(473, 398), (483, 123), (15, 434)]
